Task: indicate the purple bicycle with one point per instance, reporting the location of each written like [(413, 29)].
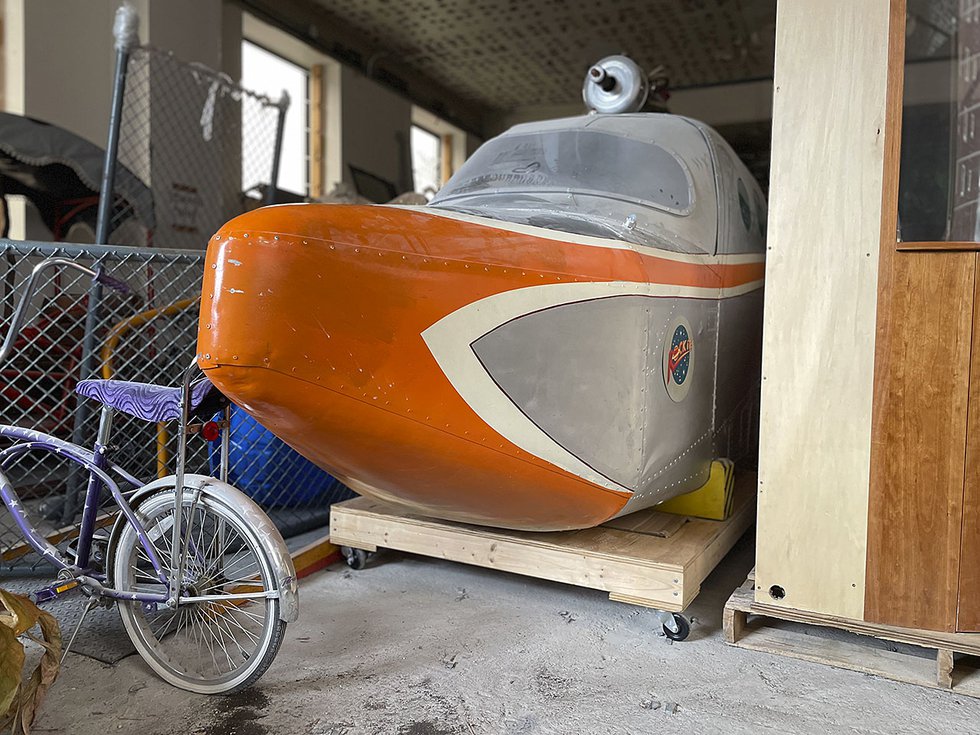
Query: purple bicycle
[(202, 578)]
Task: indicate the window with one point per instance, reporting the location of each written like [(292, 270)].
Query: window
[(743, 205), (939, 181), (584, 162), (614, 184), (426, 161), (270, 74)]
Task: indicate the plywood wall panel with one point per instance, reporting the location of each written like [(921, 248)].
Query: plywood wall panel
[(821, 291)]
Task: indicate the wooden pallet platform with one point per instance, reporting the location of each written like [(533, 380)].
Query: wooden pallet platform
[(932, 659), (648, 558)]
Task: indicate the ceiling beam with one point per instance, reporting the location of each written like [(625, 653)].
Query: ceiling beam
[(337, 38)]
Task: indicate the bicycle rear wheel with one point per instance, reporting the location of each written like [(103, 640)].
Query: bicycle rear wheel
[(215, 646)]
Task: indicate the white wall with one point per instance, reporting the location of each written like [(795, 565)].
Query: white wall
[(61, 52), (58, 62)]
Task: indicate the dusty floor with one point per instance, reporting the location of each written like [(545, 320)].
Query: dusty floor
[(414, 646)]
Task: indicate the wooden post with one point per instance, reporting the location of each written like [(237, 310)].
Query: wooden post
[(447, 157), (944, 668), (316, 131)]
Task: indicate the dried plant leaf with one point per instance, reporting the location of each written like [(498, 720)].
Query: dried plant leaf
[(46, 672), (21, 614), (11, 666), (19, 704)]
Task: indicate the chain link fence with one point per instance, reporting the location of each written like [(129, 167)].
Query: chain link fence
[(195, 149), (147, 336)]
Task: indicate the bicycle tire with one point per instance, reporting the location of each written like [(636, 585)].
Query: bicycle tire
[(209, 625)]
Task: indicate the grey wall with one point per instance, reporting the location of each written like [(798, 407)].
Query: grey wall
[(376, 124), (67, 61), (59, 60)]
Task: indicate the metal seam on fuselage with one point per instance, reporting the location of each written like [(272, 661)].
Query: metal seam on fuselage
[(715, 266)]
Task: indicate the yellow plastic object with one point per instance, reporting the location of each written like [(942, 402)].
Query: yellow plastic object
[(116, 334), (713, 500)]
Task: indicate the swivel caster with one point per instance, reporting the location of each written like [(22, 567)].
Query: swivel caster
[(676, 627), (356, 559)]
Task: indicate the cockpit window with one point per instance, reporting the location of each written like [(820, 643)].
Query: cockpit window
[(574, 162), (744, 206)]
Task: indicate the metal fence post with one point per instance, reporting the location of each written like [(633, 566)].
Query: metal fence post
[(283, 104), (125, 30)]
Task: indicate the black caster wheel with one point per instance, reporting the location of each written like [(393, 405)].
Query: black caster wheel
[(356, 559), (683, 628)]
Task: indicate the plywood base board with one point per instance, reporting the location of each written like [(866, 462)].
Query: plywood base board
[(637, 567), (925, 658)]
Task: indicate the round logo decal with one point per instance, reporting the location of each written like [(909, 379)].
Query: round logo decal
[(678, 360)]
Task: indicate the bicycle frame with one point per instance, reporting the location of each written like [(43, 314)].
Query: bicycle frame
[(97, 464), (99, 468), (224, 550)]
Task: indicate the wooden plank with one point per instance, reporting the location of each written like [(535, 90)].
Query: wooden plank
[(710, 551), (931, 663), (841, 654), (637, 568), (649, 522), (355, 522), (944, 668), (316, 131), (941, 247), (821, 291), (733, 624), (315, 556), (743, 600), (968, 588), (446, 157), (919, 439)]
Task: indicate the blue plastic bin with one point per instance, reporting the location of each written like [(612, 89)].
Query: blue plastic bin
[(267, 469)]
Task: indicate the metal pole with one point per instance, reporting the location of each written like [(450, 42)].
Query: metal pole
[(270, 194), (125, 29)]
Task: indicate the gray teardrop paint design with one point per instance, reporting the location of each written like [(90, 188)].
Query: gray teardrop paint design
[(590, 375)]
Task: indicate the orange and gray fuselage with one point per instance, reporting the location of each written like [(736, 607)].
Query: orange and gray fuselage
[(479, 370)]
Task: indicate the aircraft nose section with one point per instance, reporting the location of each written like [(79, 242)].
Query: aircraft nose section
[(313, 320), (273, 298)]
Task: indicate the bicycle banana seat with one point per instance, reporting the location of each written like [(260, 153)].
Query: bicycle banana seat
[(152, 402)]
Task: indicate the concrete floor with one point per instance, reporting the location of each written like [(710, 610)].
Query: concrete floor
[(414, 646)]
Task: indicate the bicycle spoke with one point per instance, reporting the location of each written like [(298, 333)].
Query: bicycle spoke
[(207, 640), (219, 639), (204, 641)]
